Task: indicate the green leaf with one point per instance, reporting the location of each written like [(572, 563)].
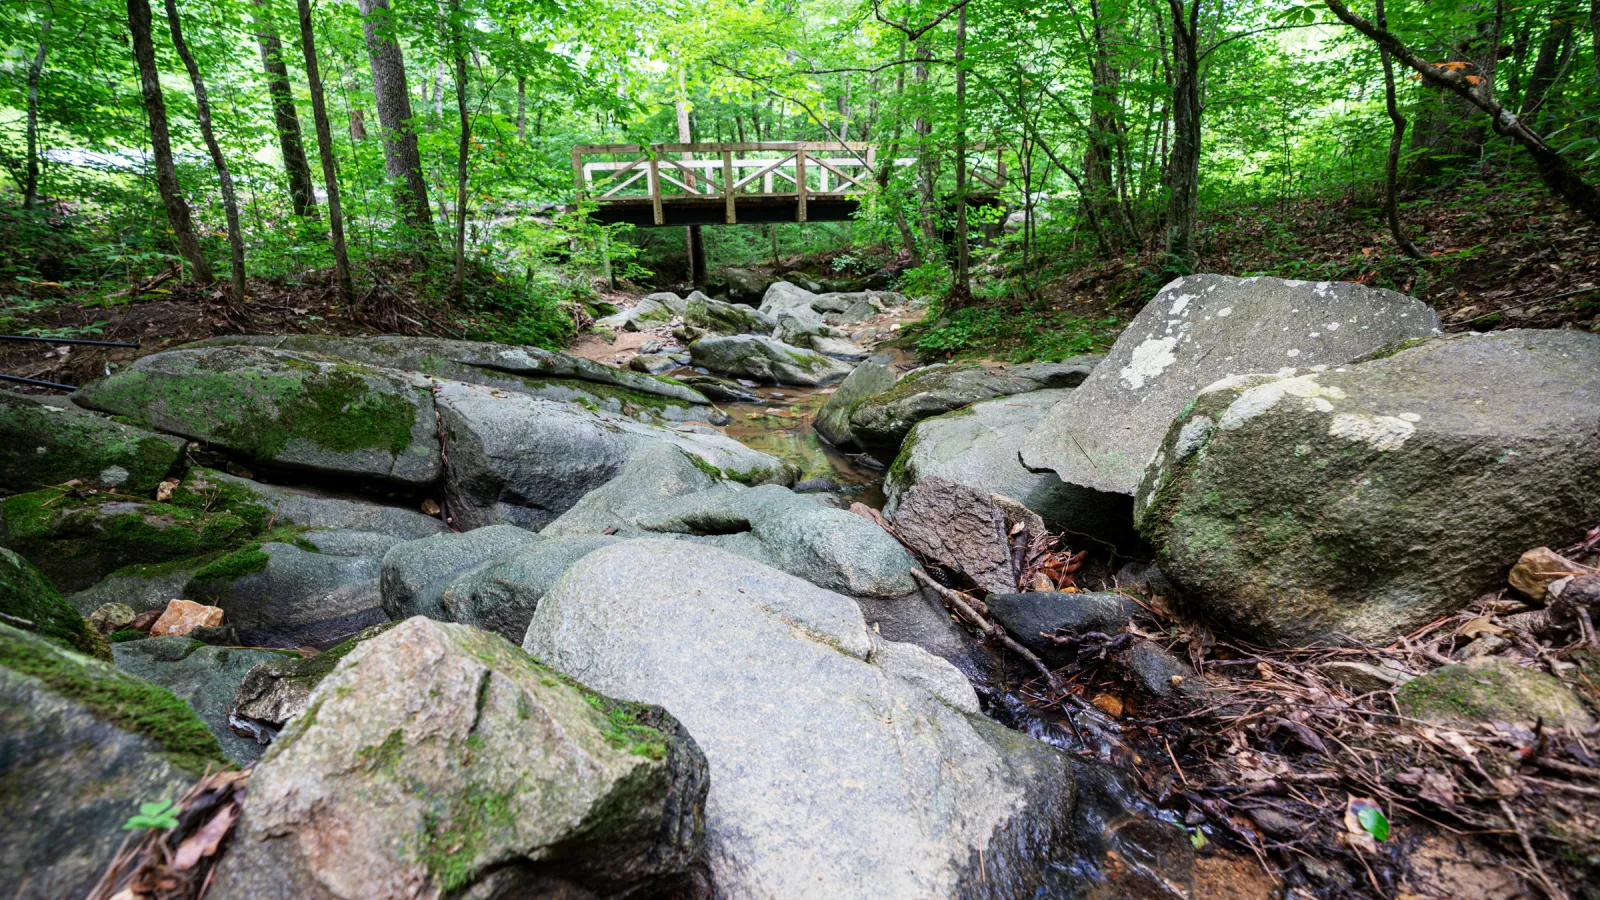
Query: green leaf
[(1374, 822), (1198, 839), (156, 814)]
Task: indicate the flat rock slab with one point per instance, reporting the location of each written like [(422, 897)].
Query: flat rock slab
[(277, 407), (1368, 500), (765, 359), (1197, 330), (842, 765)]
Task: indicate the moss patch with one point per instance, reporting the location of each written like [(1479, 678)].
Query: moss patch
[(43, 445), (1488, 690), (130, 703), (25, 594), (457, 828)]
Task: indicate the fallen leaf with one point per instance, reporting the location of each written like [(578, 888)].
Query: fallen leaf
[(164, 490), (1110, 704), (205, 841), (1480, 625)]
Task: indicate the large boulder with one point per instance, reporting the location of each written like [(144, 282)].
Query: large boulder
[(203, 488), (978, 447), (437, 760), (205, 677), (415, 574), (1367, 500), (881, 422), (283, 595), (30, 601), (744, 285), (500, 595), (842, 765), (833, 420), (550, 374), (784, 295), (764, 359), (642, 316), (1196, 330), (518, 459), (275, 407), (718, 317), (654, 475), (46, 441), (82, 745)]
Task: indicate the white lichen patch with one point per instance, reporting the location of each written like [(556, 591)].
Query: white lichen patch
[(1224, 312), (1180, 304), (1378, 432), (1259, 399), (112, 475), (1191, 436), (1149, 360)]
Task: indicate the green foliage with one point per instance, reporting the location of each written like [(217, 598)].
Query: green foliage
[(1374, 822), (1031, 333), (161, 814)]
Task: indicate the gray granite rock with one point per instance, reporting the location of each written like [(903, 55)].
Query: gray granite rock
[(281, 505), (833, 420), (718, 317), (415, 574), (205, 677), (500, 595), (282, 596), (1032, 615), (765, 359)]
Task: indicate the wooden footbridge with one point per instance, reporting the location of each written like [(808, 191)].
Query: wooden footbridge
[(727, 184)]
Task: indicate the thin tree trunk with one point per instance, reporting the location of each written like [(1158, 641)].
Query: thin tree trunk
[(358, 116), (1391, 173), (963, 285), (438, 92), (144, 54), (1547, 65), (202, 104), (402, 160), (30, 190), (1558, 175), (929, 175), (330, 172), (1100, 150), (302, 192), (522, 109), (1183, 170), (886, 167), (459, 50)]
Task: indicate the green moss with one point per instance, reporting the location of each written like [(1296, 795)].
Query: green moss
[(126, 635), (162, 569), (457, 828), (1392, 349), (202, 490), (43, 445), (384, 756), (130, 703), (25, 594), (244, 561), (708, 468), (626, 725)]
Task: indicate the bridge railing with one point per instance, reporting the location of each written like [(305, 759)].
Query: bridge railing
[(698, 173)]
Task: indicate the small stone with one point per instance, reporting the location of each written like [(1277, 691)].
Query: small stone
[(1492, 688), (145, 620), (164, 489), (1364, 678), (1538, 568), (430, 507), (183, 616), (1484, 645), (112, 617)]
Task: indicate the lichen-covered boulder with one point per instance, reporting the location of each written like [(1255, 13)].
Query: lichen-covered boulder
[(764, 359), (1491, 688), (1367, 500), (785, 295), (718, 317), (44, 441), (437, 759), (26, 596), (1196, 330), (549, 374), (281, 408), (833, 419), (978, 446), (203, 676), (639, 317), (880, 422), (81, 746), (842, 765), (518, 459)]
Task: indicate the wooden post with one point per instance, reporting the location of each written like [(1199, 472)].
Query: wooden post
[(1000, 166), (655, 188), (766, 183), (872, 160), (800, 184), (728, 213), (577, 173), (822, 179)]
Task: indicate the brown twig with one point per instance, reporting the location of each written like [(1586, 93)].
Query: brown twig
[(989, 629)]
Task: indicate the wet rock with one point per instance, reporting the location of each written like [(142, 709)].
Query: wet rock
[(1030, 616), (81, 746), (720, 390), (902, 781), (202, 676), (978, 447), (280, 595), (1491, 688), (46, 441), (519, 460), (833, 420), (765, 359), (1196, 330), (1155, 670), (513, 782), (501, 595), (30, 601), (654, 363), (1371, 499), (272, 406), (881, 422), (279, 688), (717, 317), (415, 574), (959, 528), (184, 616)]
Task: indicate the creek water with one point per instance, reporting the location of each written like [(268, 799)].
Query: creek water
[(780, 424)]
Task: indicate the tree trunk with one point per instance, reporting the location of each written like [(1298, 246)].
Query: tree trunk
[(30, 190), (358, 116), (1391, 173), (459, 51), (202, 104), (330, 172), (1099, 152), (963, 285), (522, 109), (1547, 65), (929, 166), (1183, 169), (401, 159), (694, 246), (155, 106), (1558, 175), (302, 193)]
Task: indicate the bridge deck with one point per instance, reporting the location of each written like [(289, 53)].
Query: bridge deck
[(717, 184)]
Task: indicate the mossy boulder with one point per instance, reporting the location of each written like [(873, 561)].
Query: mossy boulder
[(1370, 499), (277, 689), (77, 538), (514, 781), (81, 746), (44, 441), (281, 408), (203, 676), (833, 420), (880, 422), (27, 597), (206, 489), (720, 317), (1489, 688), (765, 359), (281, 593)]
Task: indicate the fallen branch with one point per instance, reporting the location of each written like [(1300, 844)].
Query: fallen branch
[(989, 628)]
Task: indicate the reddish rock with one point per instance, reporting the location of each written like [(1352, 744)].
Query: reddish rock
[(184, 616)]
